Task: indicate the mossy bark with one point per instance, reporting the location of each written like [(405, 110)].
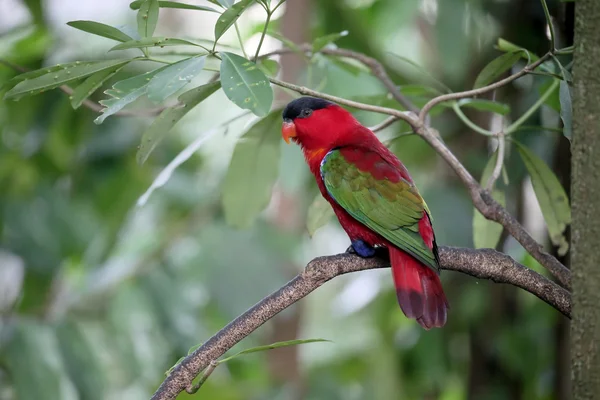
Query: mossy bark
[(585, 190)]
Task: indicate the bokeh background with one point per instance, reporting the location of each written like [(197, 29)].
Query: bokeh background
[(103, 288)]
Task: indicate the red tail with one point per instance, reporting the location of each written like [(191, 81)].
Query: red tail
[(419, 290)]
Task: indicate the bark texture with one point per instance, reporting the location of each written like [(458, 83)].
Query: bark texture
[(585, 190)]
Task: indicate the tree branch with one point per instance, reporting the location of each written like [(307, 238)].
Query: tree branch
[(484, 264)]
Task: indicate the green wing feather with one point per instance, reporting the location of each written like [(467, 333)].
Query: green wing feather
[(391, 209)]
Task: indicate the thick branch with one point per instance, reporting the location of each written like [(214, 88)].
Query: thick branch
[(484, 264)]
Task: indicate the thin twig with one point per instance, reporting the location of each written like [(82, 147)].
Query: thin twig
[(207, 372), (263, 34), (403, 115), (483, 264), (550, 25), (499, 162), (239, 36), (384, 124), (479, 91)]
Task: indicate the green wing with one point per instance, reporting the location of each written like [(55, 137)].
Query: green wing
[(392, 209)]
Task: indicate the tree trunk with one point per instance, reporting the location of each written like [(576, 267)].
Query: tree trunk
[(585, 189)]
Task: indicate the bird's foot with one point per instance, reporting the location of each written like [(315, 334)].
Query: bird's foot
[(361, 248)]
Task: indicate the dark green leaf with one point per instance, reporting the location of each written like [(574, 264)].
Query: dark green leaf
[(486, 233), (496, 68), (172, 4), (91, 84), (125, 92), (566, 109), (252, 172), (147, 18), (168, 118), (97, 28), (174, 77), (272, 346), (246, 85), (153, 42), (59, 76), (228, 18), (323, 41), (485, 105), (319, 213), (551, 196)]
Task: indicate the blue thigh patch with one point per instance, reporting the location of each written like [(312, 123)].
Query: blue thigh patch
[(362, 248)]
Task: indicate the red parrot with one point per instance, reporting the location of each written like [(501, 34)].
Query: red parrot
[(375, 200)]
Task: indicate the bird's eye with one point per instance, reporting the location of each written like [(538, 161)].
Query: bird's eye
[(306, 113)]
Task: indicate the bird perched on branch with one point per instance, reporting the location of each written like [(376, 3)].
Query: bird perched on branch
[(375, 200)]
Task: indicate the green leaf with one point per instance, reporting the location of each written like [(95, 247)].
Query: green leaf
[(253, 171), (32, 74), (169, 117), (566, 108), (272, 346), (147, 17), (270, 67), (172, 4), (551, 196), (323, 41), (319, 213), (507, 47), (153, 42), (486, 233), (174, 77), (485, 105), (496, 68), (228, 18), (97, 28), (59, 76), (245, 85), (125, 92), (91, 84)]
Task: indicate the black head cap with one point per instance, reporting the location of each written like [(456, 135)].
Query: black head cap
[(303, 107)]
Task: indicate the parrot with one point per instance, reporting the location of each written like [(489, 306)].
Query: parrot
[(375, 200)]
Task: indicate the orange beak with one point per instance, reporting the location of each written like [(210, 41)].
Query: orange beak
[(288, 130)]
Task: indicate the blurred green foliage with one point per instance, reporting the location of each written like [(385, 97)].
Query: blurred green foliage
[(101, 293)]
